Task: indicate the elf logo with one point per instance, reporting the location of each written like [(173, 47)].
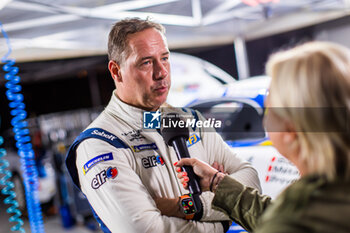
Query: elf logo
[(152, 161), (101, 178)]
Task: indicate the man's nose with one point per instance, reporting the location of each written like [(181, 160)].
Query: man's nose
[(161, 70)]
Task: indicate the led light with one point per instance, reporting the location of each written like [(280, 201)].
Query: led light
[(3, 3)]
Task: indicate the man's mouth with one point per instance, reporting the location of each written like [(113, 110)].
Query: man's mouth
[(161, 89)]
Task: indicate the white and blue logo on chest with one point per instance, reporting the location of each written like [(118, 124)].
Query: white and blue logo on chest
[(152, 161)]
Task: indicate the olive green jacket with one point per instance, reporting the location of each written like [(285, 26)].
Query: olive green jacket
[(309, 205)]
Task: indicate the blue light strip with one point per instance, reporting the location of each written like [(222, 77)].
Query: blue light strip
[(8, 191), (23, 140)]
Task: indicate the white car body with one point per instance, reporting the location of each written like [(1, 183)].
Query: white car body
[(47, 183), (193, 78), (275, 172)]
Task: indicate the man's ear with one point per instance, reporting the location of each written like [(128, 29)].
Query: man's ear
[(114, 69)]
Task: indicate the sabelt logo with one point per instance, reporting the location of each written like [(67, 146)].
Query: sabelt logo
[(103, 134), (101, 178)]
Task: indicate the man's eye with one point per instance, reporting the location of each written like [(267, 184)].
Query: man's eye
[(165, 58), (146, 63)]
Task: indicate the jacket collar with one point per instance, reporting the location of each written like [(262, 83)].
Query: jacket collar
[(130, 114)]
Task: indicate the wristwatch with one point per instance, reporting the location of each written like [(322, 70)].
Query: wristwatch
[(188, 206)]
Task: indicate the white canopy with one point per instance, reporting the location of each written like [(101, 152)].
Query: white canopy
[(51, 29)]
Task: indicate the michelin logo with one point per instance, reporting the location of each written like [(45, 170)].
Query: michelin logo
[(103, 134), (142, 147), (92, 162)]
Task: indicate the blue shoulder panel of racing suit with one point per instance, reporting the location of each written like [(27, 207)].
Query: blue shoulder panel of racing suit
[(194, 114), (71, 157)]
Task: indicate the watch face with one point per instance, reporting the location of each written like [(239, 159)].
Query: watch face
[(188, 206)]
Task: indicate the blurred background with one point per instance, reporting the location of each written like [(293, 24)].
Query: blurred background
[(219, 49)]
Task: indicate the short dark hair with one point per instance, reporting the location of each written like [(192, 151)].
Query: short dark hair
[(118, 36)]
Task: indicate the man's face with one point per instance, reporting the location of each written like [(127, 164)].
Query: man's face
[(143, 79)]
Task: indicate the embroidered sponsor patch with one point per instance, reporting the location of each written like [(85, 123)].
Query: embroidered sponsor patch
[(152, 161), (193, 139), (101, 178), (103, 134), (142, 147), (134, 135), (92, 162)]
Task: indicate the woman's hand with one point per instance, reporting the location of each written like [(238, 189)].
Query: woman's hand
[(200, 168), (170, 206)]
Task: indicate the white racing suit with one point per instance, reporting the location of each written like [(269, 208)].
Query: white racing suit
[(122, 173)]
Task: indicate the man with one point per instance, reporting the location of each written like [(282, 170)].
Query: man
[(122, 168)]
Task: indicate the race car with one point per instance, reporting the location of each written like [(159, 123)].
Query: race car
[(243, 130), (192, 78), (46, 180)]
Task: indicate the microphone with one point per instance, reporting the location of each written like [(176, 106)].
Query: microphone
[(176, 136)]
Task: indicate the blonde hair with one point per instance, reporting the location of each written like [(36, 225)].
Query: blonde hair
[(311, 84)]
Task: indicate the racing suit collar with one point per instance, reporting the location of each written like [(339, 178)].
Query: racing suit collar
[(123, 110)]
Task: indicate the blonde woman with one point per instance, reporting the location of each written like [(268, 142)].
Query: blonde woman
[(308, 109)]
